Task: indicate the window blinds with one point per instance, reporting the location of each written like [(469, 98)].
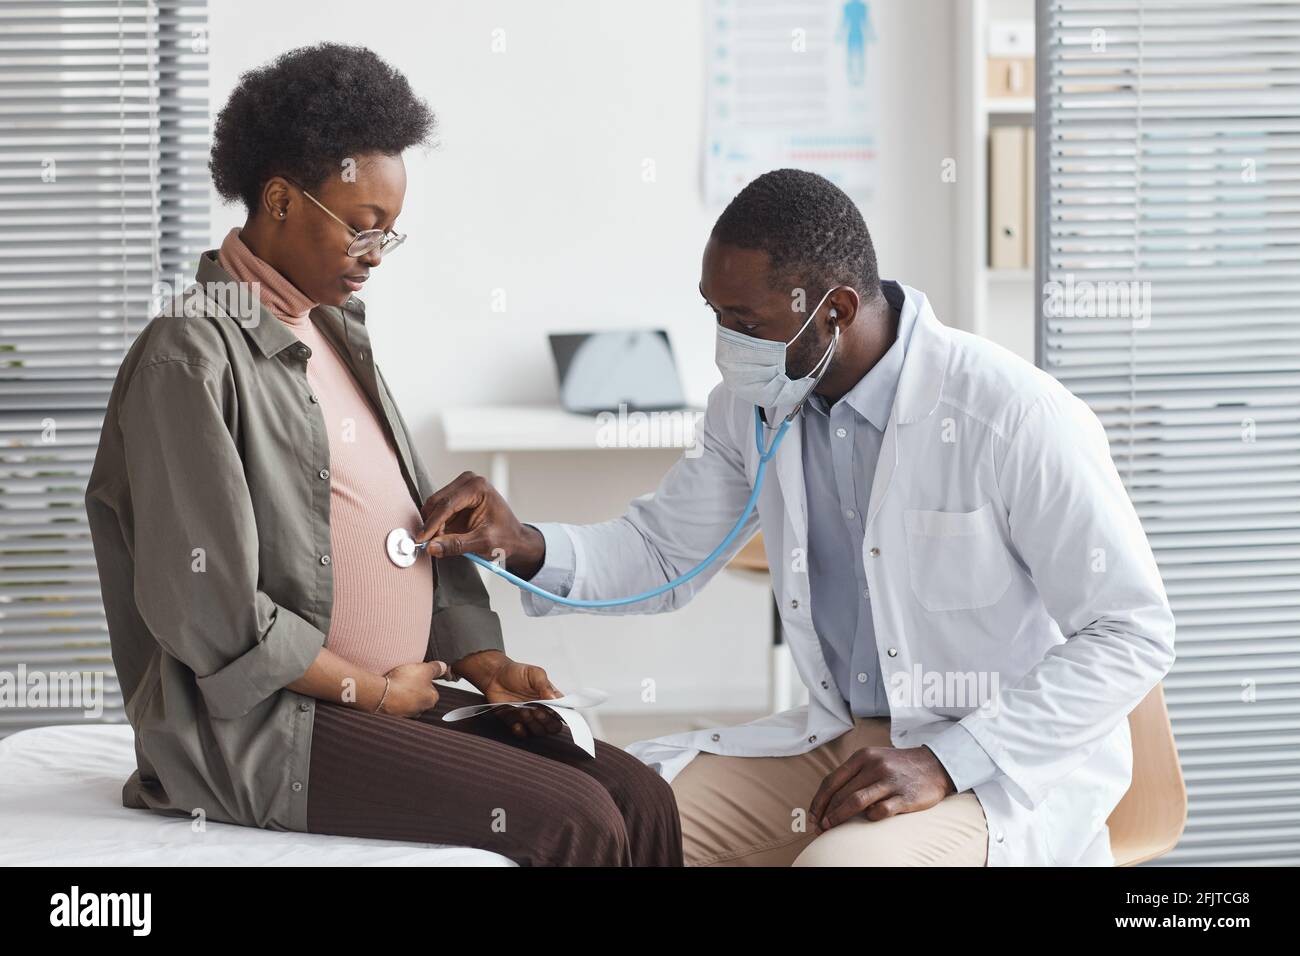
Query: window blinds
[(103, 193), (1168, 259)]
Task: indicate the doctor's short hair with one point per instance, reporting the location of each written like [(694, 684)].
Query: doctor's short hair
[(811, 230), (308, 110)]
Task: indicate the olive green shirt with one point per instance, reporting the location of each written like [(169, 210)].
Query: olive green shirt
[(209, 508)]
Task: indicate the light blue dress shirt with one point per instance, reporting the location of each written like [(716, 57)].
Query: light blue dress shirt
[(841, 444)]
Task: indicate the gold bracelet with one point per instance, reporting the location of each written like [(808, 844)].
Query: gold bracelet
[(382, 697)]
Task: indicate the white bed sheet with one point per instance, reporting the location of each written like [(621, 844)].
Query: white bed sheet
[(61, 804)]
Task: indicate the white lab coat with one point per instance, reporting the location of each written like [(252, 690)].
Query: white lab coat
[(999, 541)]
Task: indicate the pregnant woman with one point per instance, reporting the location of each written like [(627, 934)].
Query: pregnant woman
[(277, 668)]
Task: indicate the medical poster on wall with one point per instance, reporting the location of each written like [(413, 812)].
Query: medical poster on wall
[(790, 83)]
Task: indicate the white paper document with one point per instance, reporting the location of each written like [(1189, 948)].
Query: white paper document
[(565, 707)]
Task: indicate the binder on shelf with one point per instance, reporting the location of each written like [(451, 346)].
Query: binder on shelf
[(1031, 170), (1007, 175)]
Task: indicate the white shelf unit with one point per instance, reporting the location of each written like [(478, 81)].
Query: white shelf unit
[(999, 302)]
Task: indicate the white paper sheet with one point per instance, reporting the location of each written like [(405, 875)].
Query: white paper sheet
[(564, 707)]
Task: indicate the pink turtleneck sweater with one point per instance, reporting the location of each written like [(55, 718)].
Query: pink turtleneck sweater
[(381, 612)]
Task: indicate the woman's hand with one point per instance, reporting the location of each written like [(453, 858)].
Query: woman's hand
[(410, 688), (501, 680)]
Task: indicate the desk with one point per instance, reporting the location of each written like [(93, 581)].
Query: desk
[(503, 429)]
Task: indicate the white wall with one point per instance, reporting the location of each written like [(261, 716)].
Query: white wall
[(536, 189)]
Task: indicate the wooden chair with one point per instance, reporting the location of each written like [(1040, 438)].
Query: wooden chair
[(1150, 816)]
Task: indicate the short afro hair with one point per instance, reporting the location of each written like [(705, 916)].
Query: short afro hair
[(307, 110), (811, 230)]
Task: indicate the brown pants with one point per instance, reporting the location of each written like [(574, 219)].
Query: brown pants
[(538, 800), (752, 811)]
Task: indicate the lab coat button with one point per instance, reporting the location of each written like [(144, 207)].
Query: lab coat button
[(893, 652), (324, 559), (874, 552)]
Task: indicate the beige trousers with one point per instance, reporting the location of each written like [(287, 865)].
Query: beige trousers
[(752, 811)]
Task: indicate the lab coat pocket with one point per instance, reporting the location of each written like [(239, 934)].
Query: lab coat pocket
[(956, 560)]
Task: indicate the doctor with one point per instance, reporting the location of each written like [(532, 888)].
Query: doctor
[(964, 584)]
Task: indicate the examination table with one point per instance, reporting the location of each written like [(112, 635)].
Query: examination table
[(61, 804)]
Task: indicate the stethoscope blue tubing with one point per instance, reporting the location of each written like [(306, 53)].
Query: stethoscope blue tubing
[(764, 457)]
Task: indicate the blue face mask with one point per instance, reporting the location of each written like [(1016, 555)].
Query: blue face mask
[(755, 369)]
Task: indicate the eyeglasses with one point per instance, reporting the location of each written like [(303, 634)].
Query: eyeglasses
[(365, 242)]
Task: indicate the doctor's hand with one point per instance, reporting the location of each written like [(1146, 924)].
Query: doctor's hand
[(502, 680), (879, 782), (469, 516)]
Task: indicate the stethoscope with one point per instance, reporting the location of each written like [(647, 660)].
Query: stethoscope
[(402, 547)]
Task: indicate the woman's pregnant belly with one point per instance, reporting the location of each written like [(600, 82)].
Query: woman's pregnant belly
[(381, 612)]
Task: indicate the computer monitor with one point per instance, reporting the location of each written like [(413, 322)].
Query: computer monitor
[(599, 371)]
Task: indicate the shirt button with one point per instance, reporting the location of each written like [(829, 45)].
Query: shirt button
[(874, 552), (324, 559), (998, 836), (794, 603), (862, 678), (313, 399), (303, 351), (717, 737), (850, 514), (866, 592), (840, 432), (297, 785), (812, 739), (324, 473), (893, 652), (304, 706), (362, 355)]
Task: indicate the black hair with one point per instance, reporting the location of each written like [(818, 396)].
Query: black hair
[(811, 230), (303, 113)]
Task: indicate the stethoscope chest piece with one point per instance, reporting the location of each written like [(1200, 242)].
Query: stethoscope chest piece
[(401, 547)]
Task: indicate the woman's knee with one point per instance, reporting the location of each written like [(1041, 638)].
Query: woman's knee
[(591, 830), (635, 787)]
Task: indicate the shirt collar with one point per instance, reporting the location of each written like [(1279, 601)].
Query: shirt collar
[(273, 336), (873, 395)]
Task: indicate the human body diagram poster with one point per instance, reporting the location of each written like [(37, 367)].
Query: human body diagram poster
[(790, 83)]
